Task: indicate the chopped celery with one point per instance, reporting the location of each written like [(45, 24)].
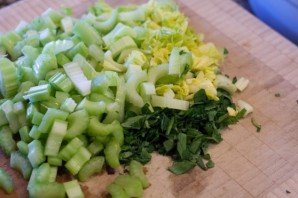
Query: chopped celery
[(136, 169), (95, 147), (93, 108), (76, 75), (11, 116), (78, 122), (54, 161), (46, 36), (36, 153), (73, 189), (68, 105), (21, 163), (105, 26), (38, 93), (96, 52), (122, 44), (179, 61), (62, 59), (35, 133), (23, 147), (55, 138), (70, 149), (3, 120), (6, 181), (37, 118), (61, 82), (157, 72), (53, 174), (8, 41), (93, 166), (47, 190), (79, 48), (225, 83), (172, 103), (96, 128), (24, 134), (118, 32), (43, 64), (67, 24), (110, 65), (77, 161), (117, 191), (7, 143), (57, 47), (131, 185), (24, 87), (112, 151), (20, 110), (8, 78), (49, 118), (241, 83), (131, 85), (87, 33), (43, 173), (88, 70)]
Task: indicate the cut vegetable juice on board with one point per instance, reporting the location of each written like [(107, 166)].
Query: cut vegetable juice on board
[(108, 89)]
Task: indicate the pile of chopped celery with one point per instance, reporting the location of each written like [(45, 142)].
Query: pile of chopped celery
[(67, 83)]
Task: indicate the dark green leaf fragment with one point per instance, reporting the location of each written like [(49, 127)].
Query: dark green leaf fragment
[(179, 168), (256, 124)]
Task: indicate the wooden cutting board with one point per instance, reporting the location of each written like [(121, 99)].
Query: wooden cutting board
[(248, 164)]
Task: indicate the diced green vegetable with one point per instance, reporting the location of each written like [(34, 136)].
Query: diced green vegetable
[(75, 164), (7, 143), (93, 166), (73, 189), (36, 153), (20, 162), (6, 181)]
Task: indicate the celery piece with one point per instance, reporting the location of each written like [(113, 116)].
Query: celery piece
[(116, 191), (179, 61), (3, 120), (155, 73), (35, 133), (36, 153), (106, 26), (77, 161), (68, 105), (43, 173), (8, 76), (70, 149), (78, 123), (76, 75), (32, 179), (87, 69), (20, 110), (125, 54), (131, 86), (23, 147), (87, 33), (54, 161), (61, 82), (7, 143), (55, 138), (38, 93), (53, 174), (61, 96), (43, 64), (77, 98), (67, 24), (51, 102), (124, 43), (24, 134), (62, 59), (103, 139), (96, 128), (79, 48), (110, 65), (73, 189), (120, 97), (242, 83), (102, 82), (225, 83), (11, 116), (56, 47), (37, 118), (22, 27), (118, 32), (6, 181), (172, 103), (20, 162), (93, 166), (27, 74), (47, 190), (131, 185), (31, 53), (84, 139), (136, 169), (8, 41), (31, 109), (55, 15), (111, 152), (25, 86), (46, 36), (133, 17), (95, 97), (49, 117), (96, 52), (93, 108), (95, 147)]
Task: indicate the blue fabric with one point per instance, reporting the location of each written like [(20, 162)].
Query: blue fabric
[(281, 15)]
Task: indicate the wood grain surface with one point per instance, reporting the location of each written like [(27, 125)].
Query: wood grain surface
[(248, 164)]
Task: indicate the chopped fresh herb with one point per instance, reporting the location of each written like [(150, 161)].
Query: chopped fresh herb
[(234, 80), (258, 126), (225, 51), (183, 135), (277, 95)]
